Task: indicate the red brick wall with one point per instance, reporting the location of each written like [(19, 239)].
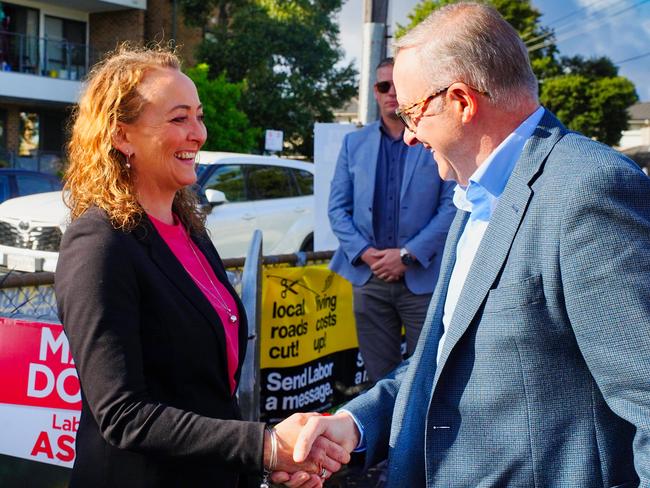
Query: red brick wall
[(108, 29), (158, 27), (13, 127)]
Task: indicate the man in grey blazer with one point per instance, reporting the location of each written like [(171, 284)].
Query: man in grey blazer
[(533, 366), (391, 211)]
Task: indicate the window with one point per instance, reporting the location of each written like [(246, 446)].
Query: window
[(30, 184), (53, 125), (228, 179), (65, 47), (19, 38), (305, 181), (29, 134), (267, 182)]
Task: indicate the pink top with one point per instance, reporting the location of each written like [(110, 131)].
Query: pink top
[(203, 275)]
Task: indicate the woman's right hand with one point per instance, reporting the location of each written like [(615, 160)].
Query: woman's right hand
[(324, 454)]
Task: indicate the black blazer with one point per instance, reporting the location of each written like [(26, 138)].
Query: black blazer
[(151, 356)]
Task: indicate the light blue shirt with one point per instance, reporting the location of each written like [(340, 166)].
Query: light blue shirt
[(480, 198)]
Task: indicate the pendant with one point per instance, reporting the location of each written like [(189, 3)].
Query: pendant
[(233, 318)]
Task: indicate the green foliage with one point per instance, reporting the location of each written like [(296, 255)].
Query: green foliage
[(590, 98), (591, 68), (586, 94), (519, 13), (228, 127), (288, 52)]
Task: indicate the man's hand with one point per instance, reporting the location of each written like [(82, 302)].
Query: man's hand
[(388, 266), (299, 479), (339, 428), (370, 256), (324, 454)]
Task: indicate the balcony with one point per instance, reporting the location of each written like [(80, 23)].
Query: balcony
[(100, 5), (39, 68)]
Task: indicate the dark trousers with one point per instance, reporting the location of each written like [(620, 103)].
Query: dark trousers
[(380, 309)]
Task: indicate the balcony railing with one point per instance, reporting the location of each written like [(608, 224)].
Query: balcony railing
[(43, 56)]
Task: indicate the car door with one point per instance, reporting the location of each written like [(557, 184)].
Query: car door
[(278, 207), (230, 224)]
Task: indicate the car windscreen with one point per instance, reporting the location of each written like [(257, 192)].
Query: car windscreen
[(200, 169)]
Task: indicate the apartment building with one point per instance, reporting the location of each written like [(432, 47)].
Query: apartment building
[(46, 50)]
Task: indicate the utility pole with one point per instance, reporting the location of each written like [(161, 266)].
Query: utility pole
[(174, 22), (374, 50)]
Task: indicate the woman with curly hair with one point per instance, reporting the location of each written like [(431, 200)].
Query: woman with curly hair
[(157, 333)]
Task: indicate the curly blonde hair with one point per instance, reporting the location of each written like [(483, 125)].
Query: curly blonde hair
[(97, 174)]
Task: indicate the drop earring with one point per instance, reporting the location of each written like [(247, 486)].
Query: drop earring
[(128, 161)]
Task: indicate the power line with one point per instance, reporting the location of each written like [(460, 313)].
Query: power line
[(588, 6), (633, 58), (589, 27), (557, 28)]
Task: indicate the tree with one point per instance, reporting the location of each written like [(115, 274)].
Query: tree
[(228, 127), (520, 14), (586, 95), (590, 97), (288, 54)]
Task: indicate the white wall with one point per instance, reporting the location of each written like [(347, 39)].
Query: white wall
[(19, 85), (635, 137), (54, 10), (327, 144)]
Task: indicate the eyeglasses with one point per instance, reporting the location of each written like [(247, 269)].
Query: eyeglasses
[(383, 86), (406, 114)]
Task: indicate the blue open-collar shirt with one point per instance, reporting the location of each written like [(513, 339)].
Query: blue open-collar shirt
[(480, 198), (388, 185)]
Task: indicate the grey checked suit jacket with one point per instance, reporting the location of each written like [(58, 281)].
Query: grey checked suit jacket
[(544, 377)]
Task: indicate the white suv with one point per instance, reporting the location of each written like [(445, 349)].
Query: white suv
[(240, 192)]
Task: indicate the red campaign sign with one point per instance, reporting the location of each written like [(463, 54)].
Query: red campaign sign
[(37, 367)]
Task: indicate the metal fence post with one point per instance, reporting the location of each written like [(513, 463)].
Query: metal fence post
[(249, 385)]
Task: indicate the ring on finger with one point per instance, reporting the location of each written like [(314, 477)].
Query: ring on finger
[(323, 473)]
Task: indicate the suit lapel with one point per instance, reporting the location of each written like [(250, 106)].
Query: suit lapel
[(209, 251), (170, 266), (412, 158), (369, 153), (406, 437), (420, 368), (501, 231)]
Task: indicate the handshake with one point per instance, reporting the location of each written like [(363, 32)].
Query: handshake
[(306, 448)]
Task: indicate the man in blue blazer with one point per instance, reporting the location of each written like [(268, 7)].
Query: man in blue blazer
[(391, 212), (533, 367)]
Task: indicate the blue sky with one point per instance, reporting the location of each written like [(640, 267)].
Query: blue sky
[(618, 29)]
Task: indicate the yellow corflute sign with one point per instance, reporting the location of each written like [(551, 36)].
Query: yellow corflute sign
[(306, 315)]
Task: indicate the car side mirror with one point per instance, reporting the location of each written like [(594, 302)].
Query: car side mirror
[(215, 197)]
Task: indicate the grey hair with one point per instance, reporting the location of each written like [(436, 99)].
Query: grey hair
[(473, 43)]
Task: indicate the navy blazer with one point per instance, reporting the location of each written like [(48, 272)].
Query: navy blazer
[(426, 210), (544, 376), (150, 350)]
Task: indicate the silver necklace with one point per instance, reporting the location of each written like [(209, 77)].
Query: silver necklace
[(221, 302)]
